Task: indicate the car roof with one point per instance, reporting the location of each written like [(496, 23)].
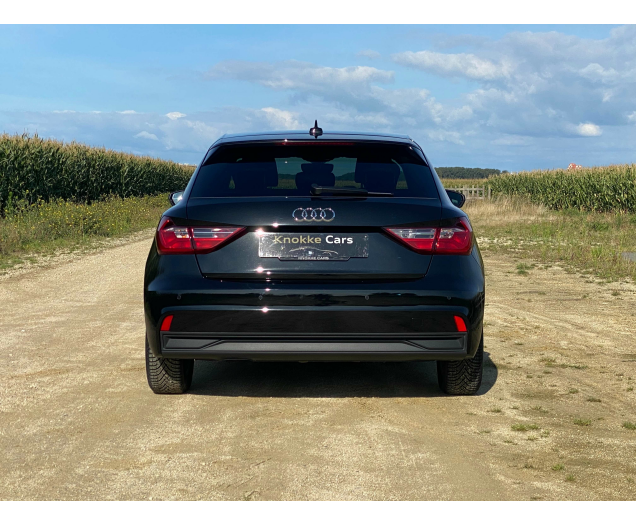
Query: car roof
[(268, 136)]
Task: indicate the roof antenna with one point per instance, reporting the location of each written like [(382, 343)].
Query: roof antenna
[(315, 131)]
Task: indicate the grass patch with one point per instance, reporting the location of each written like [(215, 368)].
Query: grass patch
[(593, 400), (523, 269), (573, 391), (582, 422), (524, 427), (558, 467), (46, 227), (570, 477), (574, 239), (629, 426), (495, 410)]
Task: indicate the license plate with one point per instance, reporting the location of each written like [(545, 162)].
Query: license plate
[(313, 247)]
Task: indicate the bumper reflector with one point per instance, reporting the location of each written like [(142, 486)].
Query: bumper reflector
[(460, 324), (165, 324)]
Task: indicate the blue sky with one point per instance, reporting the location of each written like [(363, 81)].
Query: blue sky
[(507, 97)]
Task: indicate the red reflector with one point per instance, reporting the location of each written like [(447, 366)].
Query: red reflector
[(460, 324), (165, 324)]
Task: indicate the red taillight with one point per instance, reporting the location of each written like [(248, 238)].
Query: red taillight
[(455, 240), (460, 324), (207, 239), (420, 239), (172, 239), (165, 324)]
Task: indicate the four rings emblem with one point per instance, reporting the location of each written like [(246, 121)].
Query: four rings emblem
[(313, 214)]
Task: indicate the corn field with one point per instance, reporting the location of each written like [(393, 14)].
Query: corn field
[(34, 169), (600, 189)]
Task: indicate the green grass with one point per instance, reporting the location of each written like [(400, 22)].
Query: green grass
[(629, 426), (558, 467), (572, 238), (524, 427), (582, 422), (46, 227)]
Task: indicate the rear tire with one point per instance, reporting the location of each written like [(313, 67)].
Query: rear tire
[(168, 376), (462, 378)]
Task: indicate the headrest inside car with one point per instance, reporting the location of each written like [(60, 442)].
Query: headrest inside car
[(315, 173), (377, 176)]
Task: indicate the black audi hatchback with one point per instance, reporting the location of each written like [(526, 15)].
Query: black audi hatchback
[(297, 246)]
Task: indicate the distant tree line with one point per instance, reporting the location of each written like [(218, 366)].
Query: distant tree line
[(467, 173)]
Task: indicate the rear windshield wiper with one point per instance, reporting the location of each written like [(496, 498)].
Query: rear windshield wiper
[(332, 190)]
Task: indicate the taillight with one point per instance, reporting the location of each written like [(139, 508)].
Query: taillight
[(420, 239), (173, 239), (455, 240)]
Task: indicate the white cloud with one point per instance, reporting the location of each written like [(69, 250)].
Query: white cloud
[(458, 64), (588, 130), (449, 136), (281, 119), (632, 117), (332, 82), (511, 140), (128, 112), (174, 115), (146, 135), (368, 53)]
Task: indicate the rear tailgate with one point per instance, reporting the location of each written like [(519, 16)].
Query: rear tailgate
[(275, 224)]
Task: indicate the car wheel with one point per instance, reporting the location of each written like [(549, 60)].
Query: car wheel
[(168, 376), (462, 378)]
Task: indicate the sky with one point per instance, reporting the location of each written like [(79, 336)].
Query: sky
[(490, 96)]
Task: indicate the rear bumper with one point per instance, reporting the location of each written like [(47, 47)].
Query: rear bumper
[(315, 347)]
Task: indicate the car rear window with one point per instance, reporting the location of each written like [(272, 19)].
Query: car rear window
[(288, 169)]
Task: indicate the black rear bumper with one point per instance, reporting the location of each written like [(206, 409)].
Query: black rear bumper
[(315, 347)]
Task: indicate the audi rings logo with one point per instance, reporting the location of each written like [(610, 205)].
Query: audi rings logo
[(314, 214)]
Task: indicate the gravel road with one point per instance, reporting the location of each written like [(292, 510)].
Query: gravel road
[(78, 421)]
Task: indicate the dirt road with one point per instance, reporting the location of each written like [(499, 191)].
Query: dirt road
[(78, 421)]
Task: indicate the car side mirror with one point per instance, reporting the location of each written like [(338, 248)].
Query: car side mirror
[(175, 197), (458, 199)]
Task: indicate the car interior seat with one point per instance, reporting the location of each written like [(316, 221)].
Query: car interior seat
[(318, 173), (377, 176)]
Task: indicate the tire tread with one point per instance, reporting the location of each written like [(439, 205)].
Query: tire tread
[(168, 376), (462, 378)]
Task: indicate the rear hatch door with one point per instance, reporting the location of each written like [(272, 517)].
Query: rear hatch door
[(304, 238)]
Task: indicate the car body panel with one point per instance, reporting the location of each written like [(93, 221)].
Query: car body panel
[(394, 305)]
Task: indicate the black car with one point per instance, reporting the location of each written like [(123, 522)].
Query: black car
[(296, 246)]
